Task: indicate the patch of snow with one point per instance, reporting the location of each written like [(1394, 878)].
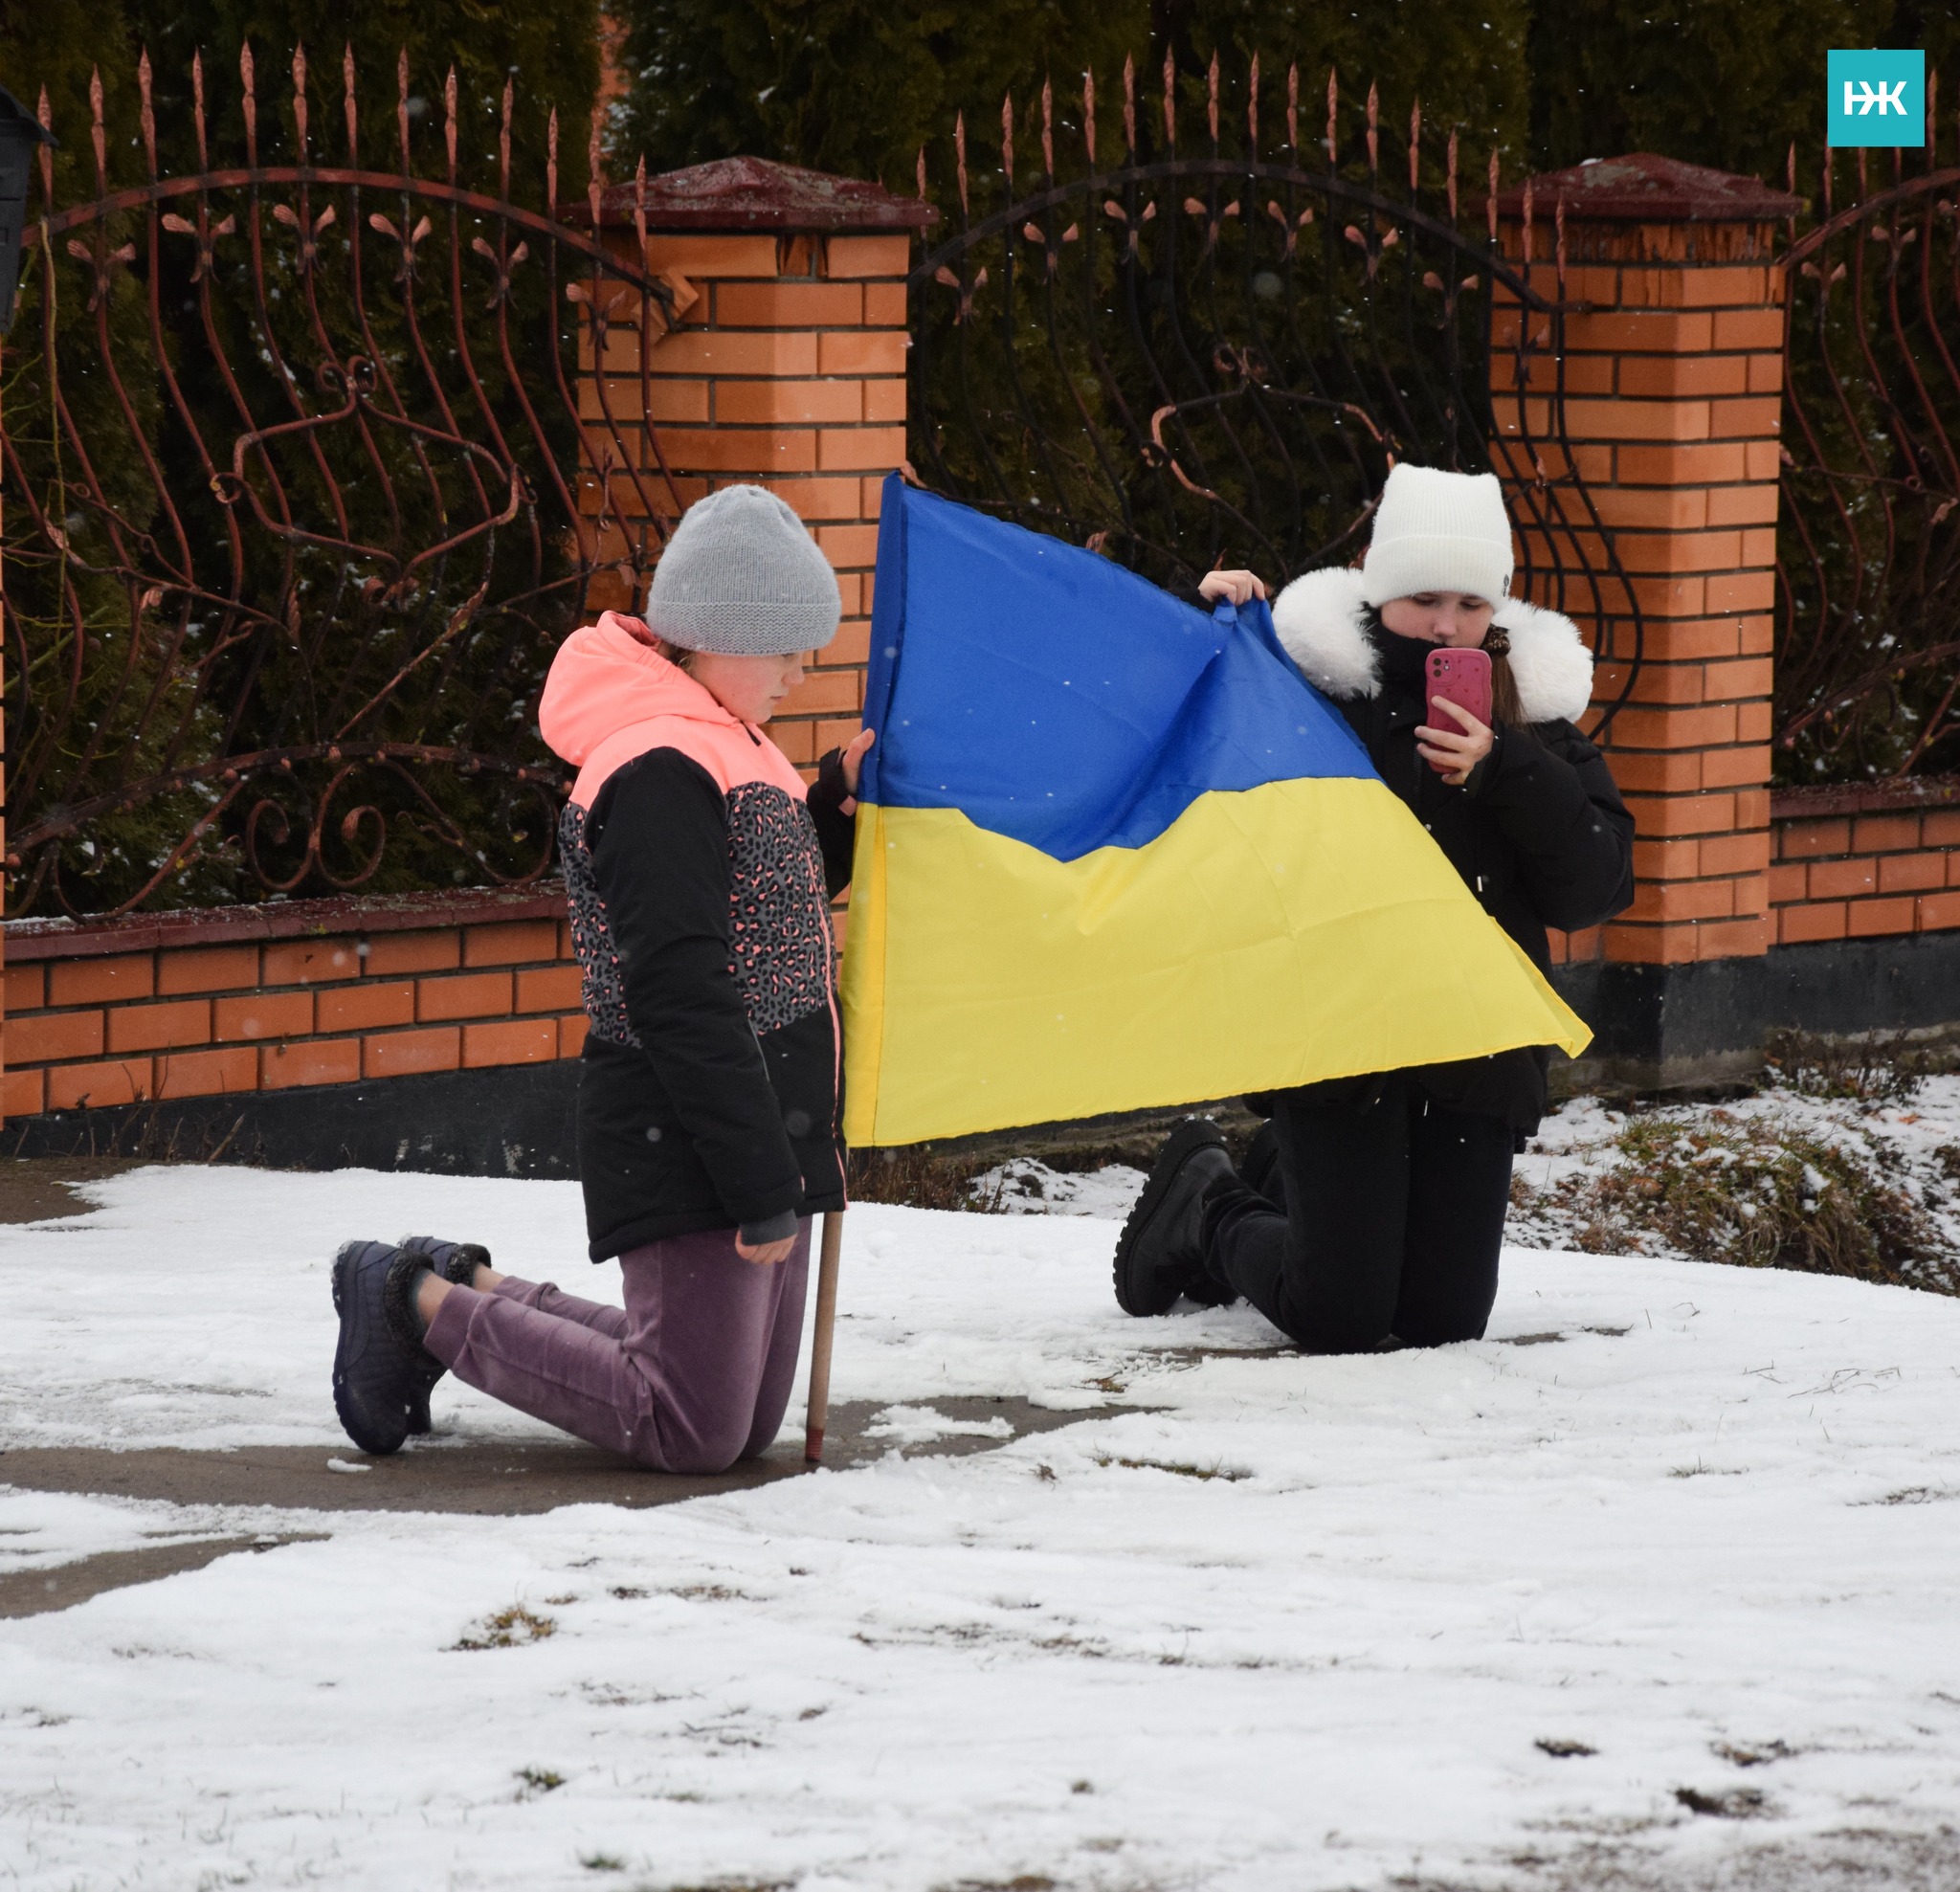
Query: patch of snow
[(1668, 1512), (1023, 1186)]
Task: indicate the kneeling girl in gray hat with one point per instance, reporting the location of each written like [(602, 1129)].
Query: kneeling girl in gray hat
[(699, 872)]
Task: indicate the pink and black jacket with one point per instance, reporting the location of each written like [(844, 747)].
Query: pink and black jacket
[(699, 873)]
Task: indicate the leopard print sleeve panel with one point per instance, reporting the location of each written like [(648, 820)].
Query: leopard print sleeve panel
[(779, 924), (602, 990)]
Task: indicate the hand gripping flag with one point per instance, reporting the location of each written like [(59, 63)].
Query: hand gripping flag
[(1113, 852)]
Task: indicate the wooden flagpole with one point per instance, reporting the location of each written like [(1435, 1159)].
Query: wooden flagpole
[(820, 1335)]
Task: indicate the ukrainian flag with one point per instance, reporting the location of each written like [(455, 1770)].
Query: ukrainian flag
[(1113, 852)]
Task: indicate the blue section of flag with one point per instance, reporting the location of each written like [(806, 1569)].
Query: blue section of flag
[(1874, 97), (1058, 699)]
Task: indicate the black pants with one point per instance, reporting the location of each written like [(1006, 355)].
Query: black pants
[(1349, 1225)]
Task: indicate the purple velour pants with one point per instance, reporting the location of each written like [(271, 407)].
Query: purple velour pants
[(690, 1375)]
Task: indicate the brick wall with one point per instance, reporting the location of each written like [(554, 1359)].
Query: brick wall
[(1854, 863), (274, 997), (1673, 377), (787, 368)]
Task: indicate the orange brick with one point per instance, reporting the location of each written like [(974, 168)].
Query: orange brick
[(511, 943), (1653, 508), (1670, 376), (852, 645), (867, 255), (390, 954), (263, 1015), (1765, 374), (1937, 913), (1761, 460), (841, 446), (1721, 463), (1751, 894), (796, 740), (1746, 676), (92, 1086), (1678, 551), (1671, 596), (1634, 420), (1943, 827), (1870, 918), (1682, 900), (42, 1037), (23, 1093), (1745, 766), (1703, 726), (27, 986), (473, 995), (884, 305), (208, 1073), (311, 1062), (368, 1007), (1668, 816), (510, 1042), (1645, 332), (1753, 721), (706, 257), (1882, 834), (760, 451), (1749, 329), (862, 352), (309, 962), (1734, 939), (1789, 883), (817, 498), (884, 400), (207, 969), (1667, 860), (101, 981), (1741, 590), (1752, 504), (872, 501), (572, 1035), (765, 402), (1751, 808), (789, 305), (402, 1053), (1731, 287), (620, 401), (1842, 879), (1747, 853), (1655, 775), (1744, 416), (180, 1021), (1911, 873), (549, 988), (849, 544), (1815, 920), (722, 351), (1649, 945), (1806, 839), (824, 690)]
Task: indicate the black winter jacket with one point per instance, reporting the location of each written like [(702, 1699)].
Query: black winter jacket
[(699, 877), (1539, 832)]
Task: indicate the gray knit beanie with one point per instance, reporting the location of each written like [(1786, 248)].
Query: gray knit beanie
[(741, 576)]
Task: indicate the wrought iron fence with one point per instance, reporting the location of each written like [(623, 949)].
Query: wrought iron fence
[(297, 512), (1191, 356), (1868, 547)]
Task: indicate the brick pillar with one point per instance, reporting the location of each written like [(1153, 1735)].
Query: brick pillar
[(1672, 408), (788, 368)]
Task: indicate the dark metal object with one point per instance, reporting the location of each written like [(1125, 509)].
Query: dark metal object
[(310, 487), (21, 135), (1868, 546), (1196, 358)]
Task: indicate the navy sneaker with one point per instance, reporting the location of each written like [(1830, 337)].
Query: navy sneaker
[(457, 1262), (376, 1366), (1160, 1254)]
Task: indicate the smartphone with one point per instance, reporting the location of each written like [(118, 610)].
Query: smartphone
[(1457, 676)]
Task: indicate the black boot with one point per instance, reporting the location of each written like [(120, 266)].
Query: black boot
[(1160, 1254), (457, 1262), (376, 1365)]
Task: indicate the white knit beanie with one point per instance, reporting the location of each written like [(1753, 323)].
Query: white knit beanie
[(741, 576), (1437, 531)]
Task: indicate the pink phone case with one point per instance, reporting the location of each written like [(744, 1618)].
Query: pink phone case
[(1461, 677)]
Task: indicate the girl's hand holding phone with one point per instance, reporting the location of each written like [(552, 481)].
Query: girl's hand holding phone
[(1453, 753)]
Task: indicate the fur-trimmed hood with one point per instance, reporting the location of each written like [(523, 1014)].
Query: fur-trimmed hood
[(1322, 620)]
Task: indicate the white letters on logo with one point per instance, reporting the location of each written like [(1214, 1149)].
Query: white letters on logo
[(1888, 97)]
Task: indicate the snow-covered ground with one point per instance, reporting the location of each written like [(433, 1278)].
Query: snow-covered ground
[(1673, 1530)]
